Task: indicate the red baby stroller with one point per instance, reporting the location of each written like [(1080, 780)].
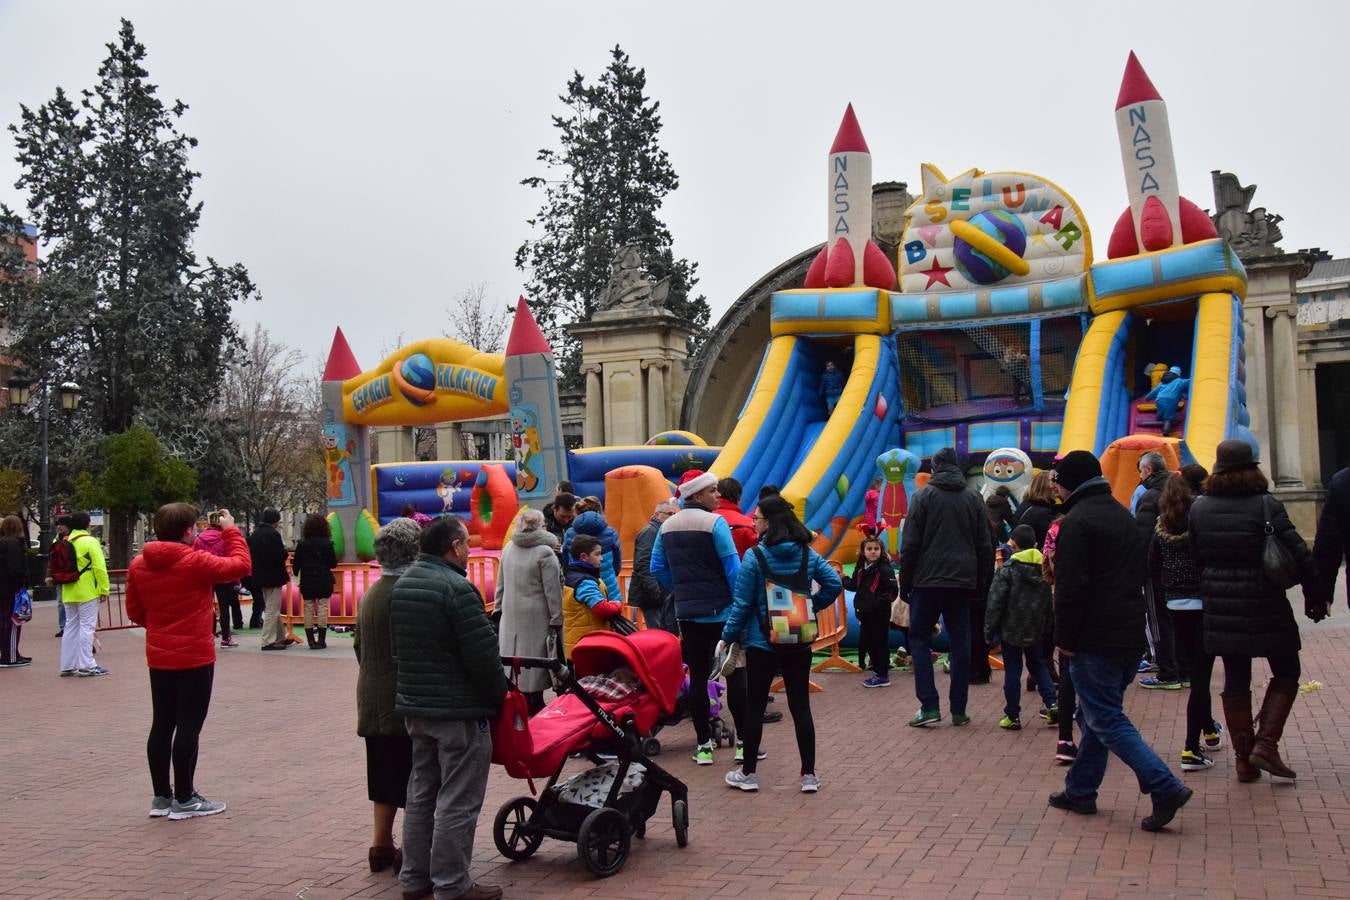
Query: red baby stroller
[(602, 808)]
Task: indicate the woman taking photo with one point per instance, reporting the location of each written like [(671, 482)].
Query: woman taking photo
[(529, 598), (785, 558), (314, 561), (170, 591), (388, 747), (1244, 615)]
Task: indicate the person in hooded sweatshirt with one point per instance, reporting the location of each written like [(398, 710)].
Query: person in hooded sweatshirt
[(170, 591), (998, 508), (1168, 394), (1020, 616), (946, 564), (592, 524)]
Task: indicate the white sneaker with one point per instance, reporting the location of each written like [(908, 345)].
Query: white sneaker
[(196, 806), (810, 783), (738, 779)]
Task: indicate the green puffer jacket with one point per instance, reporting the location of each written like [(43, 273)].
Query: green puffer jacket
[(445, 649)]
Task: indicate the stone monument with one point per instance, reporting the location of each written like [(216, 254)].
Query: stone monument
[(632, 353)]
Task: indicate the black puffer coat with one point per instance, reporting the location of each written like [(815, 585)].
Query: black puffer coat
[(445, 650), (1038, 515), (946, 541), (1244, 615), (1099, 606)]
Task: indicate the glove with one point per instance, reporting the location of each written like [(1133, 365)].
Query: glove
[(1315, 609)]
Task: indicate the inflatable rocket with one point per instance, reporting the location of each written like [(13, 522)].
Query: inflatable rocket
[(536, 427), (346, 451), (1158, 217), (849, 257)]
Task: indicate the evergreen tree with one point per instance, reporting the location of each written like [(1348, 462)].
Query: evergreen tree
[(119, 301), (610, 176)]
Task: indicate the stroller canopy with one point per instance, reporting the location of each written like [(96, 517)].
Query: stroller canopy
[(654, 655)]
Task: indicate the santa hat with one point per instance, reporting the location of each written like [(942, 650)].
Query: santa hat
[(696, 480)]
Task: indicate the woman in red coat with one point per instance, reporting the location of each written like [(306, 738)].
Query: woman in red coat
[(170, 592)]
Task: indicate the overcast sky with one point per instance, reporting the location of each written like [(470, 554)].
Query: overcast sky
[(364, 159)]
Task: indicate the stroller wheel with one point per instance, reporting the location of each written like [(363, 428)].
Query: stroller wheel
[(511, 830), (679, 814), (651, 747), (603, 842)]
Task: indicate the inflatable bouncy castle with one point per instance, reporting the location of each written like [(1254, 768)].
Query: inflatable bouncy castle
[(1006, 336)]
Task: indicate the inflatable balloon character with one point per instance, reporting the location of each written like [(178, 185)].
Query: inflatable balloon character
[(898, 468), (1007, 467)]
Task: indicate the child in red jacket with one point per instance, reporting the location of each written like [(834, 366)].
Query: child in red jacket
[(170, 592)]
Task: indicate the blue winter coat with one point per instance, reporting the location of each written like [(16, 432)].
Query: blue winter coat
[(594, 524), (1169, 394), (745, 624)]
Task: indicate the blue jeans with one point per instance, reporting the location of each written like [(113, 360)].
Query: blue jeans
[(1012, 678), (925, 605), (1100, 682)]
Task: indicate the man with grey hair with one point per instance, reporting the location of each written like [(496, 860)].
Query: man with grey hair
[(1153, 475), (449, 683), (644, 591)]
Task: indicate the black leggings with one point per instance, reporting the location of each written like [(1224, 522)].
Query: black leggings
[(180, 698), (1198, 667), (1067, 703), (760, 667), (699, 643), (874, 639), (1237, 671)]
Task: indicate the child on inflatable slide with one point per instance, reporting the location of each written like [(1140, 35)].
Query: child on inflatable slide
[(1169, 393)]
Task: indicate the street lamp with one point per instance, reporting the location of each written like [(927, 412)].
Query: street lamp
[(20, 393)]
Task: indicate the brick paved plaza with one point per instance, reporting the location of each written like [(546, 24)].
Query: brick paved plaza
[(936, 813)]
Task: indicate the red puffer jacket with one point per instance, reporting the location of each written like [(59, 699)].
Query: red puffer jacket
[(169, 592)]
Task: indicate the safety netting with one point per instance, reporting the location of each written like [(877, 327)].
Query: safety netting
[(977, 370)]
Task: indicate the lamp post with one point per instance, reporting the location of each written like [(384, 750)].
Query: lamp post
[(20, 393)]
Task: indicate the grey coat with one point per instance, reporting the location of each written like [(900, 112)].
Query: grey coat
[(529, 594)]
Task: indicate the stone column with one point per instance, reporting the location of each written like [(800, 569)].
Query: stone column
[(449, 441), (593, 435), (658, 415), (1287, 463), (395, 444)]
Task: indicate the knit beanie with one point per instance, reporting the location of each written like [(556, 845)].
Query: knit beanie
[(1077, 467)]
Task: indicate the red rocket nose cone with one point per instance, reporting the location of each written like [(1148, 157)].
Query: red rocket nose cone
[(525, 335), (341, 361), (849, 138), (1135, 86)]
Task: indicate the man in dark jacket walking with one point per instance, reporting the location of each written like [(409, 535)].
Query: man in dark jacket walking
[(1332, 546), (269, 577), (644, 591), (449, 683), (1153, 475), (946, 564), (1099, 628)]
